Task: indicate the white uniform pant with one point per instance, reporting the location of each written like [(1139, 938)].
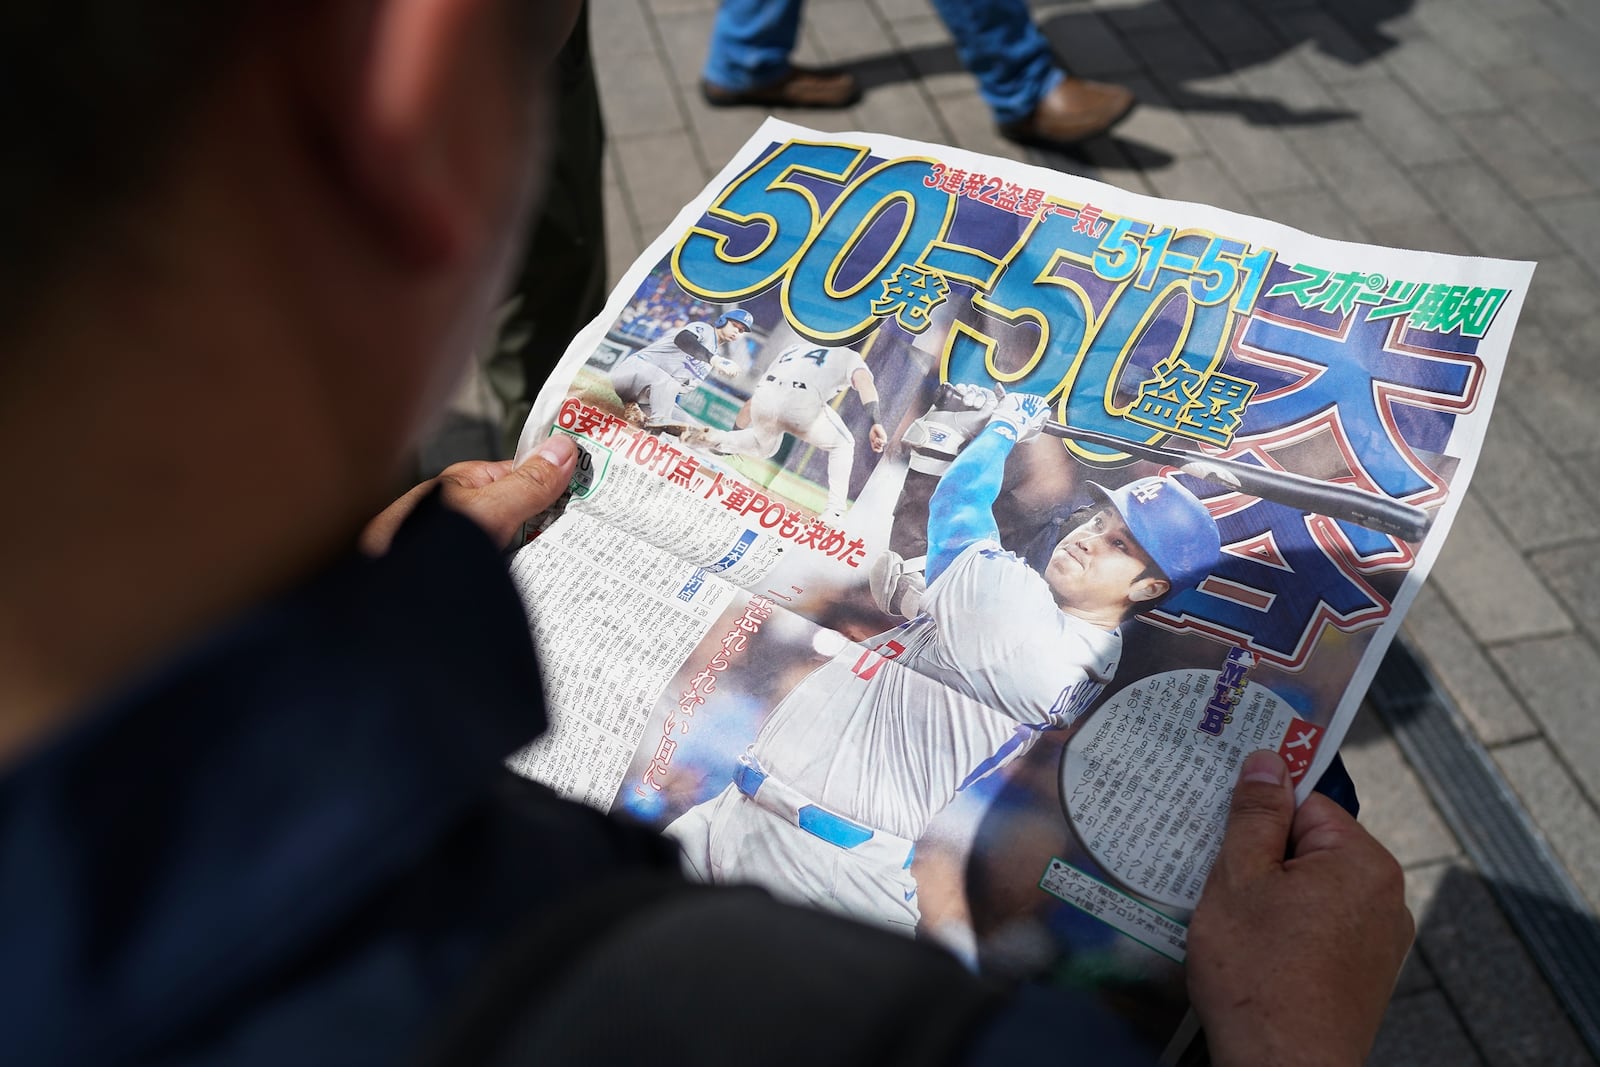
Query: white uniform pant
[(732, 839), (638, 381), (778, 408)]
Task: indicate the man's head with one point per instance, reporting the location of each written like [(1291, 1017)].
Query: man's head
[(1138, 545), (732, 323)]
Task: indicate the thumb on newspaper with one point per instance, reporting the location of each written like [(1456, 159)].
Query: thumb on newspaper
[(1262, 812), (498, 496)]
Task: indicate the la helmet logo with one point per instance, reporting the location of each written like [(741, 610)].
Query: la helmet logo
[(1147, 492)]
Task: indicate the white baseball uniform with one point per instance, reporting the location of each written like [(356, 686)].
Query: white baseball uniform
[(655, 375), (855, 762), (794, 397)]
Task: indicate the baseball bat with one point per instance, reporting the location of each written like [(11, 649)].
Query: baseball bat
[(1405, 521)]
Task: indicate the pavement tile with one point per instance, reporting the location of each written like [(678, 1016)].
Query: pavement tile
[(1563, 291), (1559, 807), (847, 32), (969, 118), (1559, 681), (1577, 220), (1173, 52), (1562, 47), (1359, 173), (1466, 674), (1154, 15), (902, 109), (925, 44), (1422, 1030), (1394, 806), (1483, 209), (891, 10), (1473, 35), (1586, 158), (1290, 94), (1562, 118), (684, 39), (1314, 211), (1557, 402), (1232, 30), (1510, 148), (1325, 46), (1200, 179), (1087, 45), (1259, 159), (1501, 999), (637, 96), (1439, 79), (1407, 131), (619, 28), (1573, 571), (720, 132), (1414, 976), (1532, 498), (1517, 82), (1426, 233), (1489, 583), (661, 172), (1154, 122)]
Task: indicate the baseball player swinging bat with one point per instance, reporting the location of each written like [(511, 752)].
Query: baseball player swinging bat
[(1405, 521)]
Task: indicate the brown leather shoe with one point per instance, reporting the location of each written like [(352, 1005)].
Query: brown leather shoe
[(1075, 110), (801, 87)]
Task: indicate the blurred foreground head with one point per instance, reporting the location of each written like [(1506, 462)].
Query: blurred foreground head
[(245, 250)]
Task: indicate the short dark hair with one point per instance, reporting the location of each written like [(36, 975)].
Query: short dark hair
[(91, 94)]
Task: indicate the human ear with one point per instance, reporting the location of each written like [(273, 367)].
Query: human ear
[(1146, 589), (429, 132)]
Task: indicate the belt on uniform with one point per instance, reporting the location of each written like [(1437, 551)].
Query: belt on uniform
[(784, 381), (816, 820)]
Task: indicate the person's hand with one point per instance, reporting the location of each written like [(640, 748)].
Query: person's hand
[(878, 437), (1293, 960), (498, 496), (1022, 413)]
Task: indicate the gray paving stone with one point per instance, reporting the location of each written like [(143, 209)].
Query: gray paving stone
[(661, 172), (1586, 158), (1326, 47), (1562, 118), (1174, 53), (1465, 672), (1258, 158), (1284, 80), (1485, 211), (1557, 403), (1577, 221), (1503, 1002), (1439, 79), (1155, 15), (890, 10), (637, 96), (1359, 173), (1567, 52), (1232, 30), (1517, 82), (1489, 583), (902, 109), (720, 132), (1531, 496), (1557, 804), (1394, 806), (1422, 1030), (846, 32), (684, 39), (1563, 291), (1573, 571), (1154, 122), (1414, 976), (1473, 35), (1406, 130), (969, 118), (1559, 681), (619, 28), (1426, 233), (1510, 148), (1313, 210), (1198, 178), (1087, 45), (926, 45)]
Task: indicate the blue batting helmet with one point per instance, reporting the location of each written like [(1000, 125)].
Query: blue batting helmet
[(1171, 525), (739, 315)]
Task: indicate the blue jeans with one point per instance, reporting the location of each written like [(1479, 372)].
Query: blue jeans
[(996, 40)]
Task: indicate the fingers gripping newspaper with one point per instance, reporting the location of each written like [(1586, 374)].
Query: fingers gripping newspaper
[(947, 531)]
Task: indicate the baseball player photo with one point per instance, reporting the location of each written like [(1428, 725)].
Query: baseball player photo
[(854, 763), (795, 396), (650, 380)]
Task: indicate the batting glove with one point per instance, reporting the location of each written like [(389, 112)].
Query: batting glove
[(1020, 415)]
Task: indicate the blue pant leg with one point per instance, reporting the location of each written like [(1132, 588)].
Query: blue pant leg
[(1003, 48), (751, 41)]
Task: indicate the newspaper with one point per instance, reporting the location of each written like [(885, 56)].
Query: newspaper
[(829, 604)]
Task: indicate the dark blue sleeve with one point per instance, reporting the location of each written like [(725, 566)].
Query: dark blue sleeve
[(961, 510), (1039, 1025)]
